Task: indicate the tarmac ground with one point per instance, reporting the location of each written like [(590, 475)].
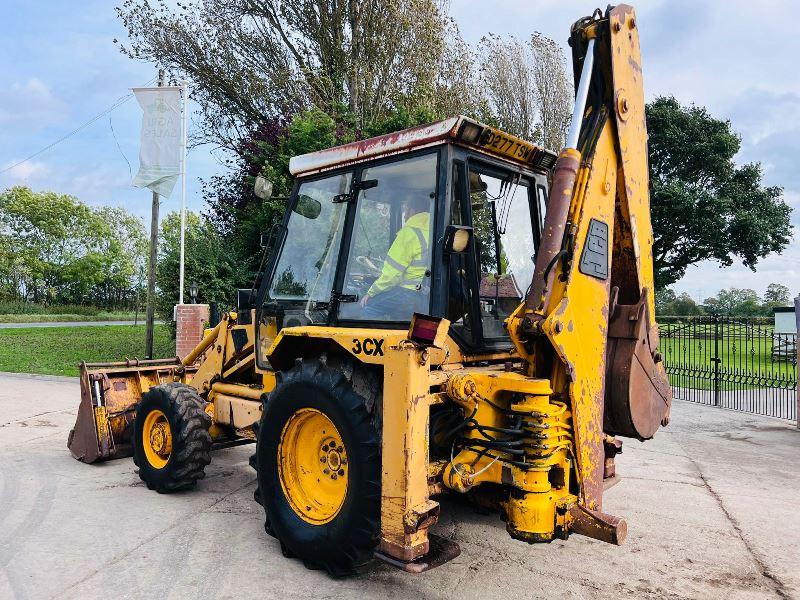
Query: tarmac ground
[(711, 502)]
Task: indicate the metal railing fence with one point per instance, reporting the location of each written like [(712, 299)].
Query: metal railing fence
[(731, 362)]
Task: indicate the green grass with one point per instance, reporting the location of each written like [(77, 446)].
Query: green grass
[(68, 317), (741, 364), (58, 350), (29, 312)]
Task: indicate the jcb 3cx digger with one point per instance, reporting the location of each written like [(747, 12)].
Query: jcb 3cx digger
[(522, 344)]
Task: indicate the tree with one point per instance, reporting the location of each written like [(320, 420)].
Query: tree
[(735, 302), (684, 306), (253, 60), (664, 297), (207, 261), (526, 88), (668, 303), (777, 295), (57, 249), (704, 206)]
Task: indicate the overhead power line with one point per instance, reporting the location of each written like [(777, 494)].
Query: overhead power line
[(119, 102)]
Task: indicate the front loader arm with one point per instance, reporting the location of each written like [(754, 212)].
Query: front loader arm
[(110, 392)]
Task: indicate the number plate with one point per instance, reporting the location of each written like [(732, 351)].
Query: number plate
[(498, 142)]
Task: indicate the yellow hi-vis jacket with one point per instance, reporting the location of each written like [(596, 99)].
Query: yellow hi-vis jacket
[(407, 259)]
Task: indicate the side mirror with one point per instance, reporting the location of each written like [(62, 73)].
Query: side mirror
[(262, 187), (457, 239), (307, 207)]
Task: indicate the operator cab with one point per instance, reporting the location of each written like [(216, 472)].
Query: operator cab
[(442, 219)]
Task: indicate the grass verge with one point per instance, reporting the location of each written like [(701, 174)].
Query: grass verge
[(66, 318), (59, 350)]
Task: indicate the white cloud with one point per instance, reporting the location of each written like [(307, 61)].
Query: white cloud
[(30, 102), (24, 173)]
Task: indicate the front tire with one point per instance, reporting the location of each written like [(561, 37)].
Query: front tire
[(319, 468), (171, 442)]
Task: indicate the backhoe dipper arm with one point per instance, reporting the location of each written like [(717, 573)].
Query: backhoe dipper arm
[(587, 322)]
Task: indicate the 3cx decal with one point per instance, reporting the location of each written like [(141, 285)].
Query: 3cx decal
[(368, 346)]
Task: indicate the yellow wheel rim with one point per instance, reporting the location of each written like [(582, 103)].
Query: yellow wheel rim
[(157, 439), (312, 466)]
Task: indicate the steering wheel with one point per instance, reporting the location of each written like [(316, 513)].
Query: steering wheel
[(369, 265)]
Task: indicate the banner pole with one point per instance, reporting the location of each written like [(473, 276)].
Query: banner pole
[(151, 268), (184, 116)]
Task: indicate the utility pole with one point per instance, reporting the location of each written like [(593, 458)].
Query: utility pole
[(151, 275), (184, 134)]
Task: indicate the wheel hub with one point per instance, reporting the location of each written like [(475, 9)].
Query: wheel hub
[(157, 439), (334, 459), (312, 466)]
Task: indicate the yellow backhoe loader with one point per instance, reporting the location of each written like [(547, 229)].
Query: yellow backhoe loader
[(447, 310)]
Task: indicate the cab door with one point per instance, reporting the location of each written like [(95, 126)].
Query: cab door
[(386, 275), (298, 286), (504, 209)]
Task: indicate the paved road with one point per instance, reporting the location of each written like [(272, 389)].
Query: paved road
[(68, 324), (778, 402), (711, 504)]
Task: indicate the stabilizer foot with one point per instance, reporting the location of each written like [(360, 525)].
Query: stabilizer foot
[(441, 551), (598, 525)]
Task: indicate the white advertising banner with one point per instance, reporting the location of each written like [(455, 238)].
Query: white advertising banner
[(160, 152)]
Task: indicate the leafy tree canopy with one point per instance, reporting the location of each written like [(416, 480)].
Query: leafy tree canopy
[(704, 206), (56, 249), (778, 295), (207, 261), (252, 60)]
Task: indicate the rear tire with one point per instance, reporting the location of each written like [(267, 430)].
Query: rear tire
[(328, 524), (174, 411)]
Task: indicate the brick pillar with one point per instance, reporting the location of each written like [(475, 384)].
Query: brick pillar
[(189, 320)]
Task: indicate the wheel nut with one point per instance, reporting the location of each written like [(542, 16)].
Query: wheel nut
[(323, 459), (325, 471), (341, 472), (333, 476), (340, 449)]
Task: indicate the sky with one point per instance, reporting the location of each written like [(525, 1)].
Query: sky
[(61, 68)]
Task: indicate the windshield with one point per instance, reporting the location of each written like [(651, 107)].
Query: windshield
[(307, 264)]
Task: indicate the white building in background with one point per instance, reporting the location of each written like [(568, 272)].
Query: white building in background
[(785, 321), (784, 334)]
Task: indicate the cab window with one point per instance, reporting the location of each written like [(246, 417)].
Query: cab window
[(504, 247), (387, 277), (304, 273)]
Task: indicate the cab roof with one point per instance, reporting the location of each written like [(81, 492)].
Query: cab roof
[(457, 130)]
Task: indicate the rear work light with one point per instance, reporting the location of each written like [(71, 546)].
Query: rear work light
[(426, 330), (469, 132)]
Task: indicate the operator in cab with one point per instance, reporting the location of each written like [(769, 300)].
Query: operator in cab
[(396, 293)]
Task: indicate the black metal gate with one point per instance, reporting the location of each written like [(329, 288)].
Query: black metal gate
[(736, 363)]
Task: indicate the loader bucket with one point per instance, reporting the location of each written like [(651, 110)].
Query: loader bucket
[(109, 394)]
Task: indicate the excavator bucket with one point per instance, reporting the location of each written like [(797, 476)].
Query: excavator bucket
[(109, 394)]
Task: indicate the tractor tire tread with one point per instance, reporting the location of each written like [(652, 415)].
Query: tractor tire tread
[(191, 446), (356, 546)]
